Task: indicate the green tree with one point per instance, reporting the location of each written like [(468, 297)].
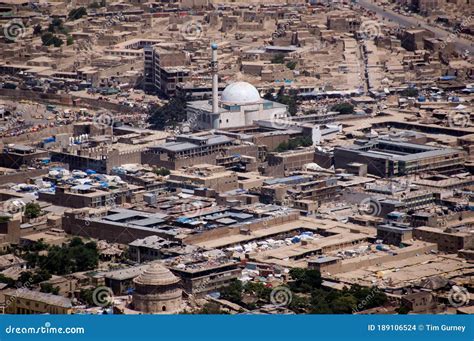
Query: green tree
[(279, 58), (290, 100), (7, 280), (211, 308), (57, 42), (25, 277), (69, 40), (344, 304), (305, 280), (32, 278), (282, 147), (37, 30), (269, 95), (47, 38), (32, 210), (343, 108), (77, 13), (409, 92), (233, 292), (49, 289), (299, 304), (162, 171), (303, 141), (402, 310), (40, 275), (259, 290), (73, 257), (86, 296), (168, 115), (4, 219), (291, 64), (55, 25)]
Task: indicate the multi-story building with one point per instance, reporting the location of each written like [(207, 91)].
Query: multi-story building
[(149, 249), (25, 301), (188, 150), (164, 68), (15, 156), (205, 176), (205, 277), (386, 158)]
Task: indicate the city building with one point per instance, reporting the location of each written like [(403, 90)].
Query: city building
[(157, 291), (239, 105), (386, 158), (25, 301)]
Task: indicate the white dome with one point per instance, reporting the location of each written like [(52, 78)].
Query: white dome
[(240, 93)]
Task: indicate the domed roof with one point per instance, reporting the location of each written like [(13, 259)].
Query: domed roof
[(156, 274), (240, 93)]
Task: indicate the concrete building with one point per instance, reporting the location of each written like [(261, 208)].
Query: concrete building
[(206, 277), (205, 176), (450, 242), (149, 249), (386, 158), (20, 155), (25, 301), (188, 150), (165, 67)]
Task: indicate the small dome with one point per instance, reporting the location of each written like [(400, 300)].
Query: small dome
[(240, 93), (156, 274)]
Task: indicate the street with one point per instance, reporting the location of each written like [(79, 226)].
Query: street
[(460, 43)]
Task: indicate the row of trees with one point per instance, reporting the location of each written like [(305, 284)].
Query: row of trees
[(302, 141), (343, 108), (56, 28), (68, 258), (308, 295), (168, 115), (279, 58), (289, 99)]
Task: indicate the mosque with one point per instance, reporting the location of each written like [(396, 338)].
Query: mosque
[(239, 105)]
